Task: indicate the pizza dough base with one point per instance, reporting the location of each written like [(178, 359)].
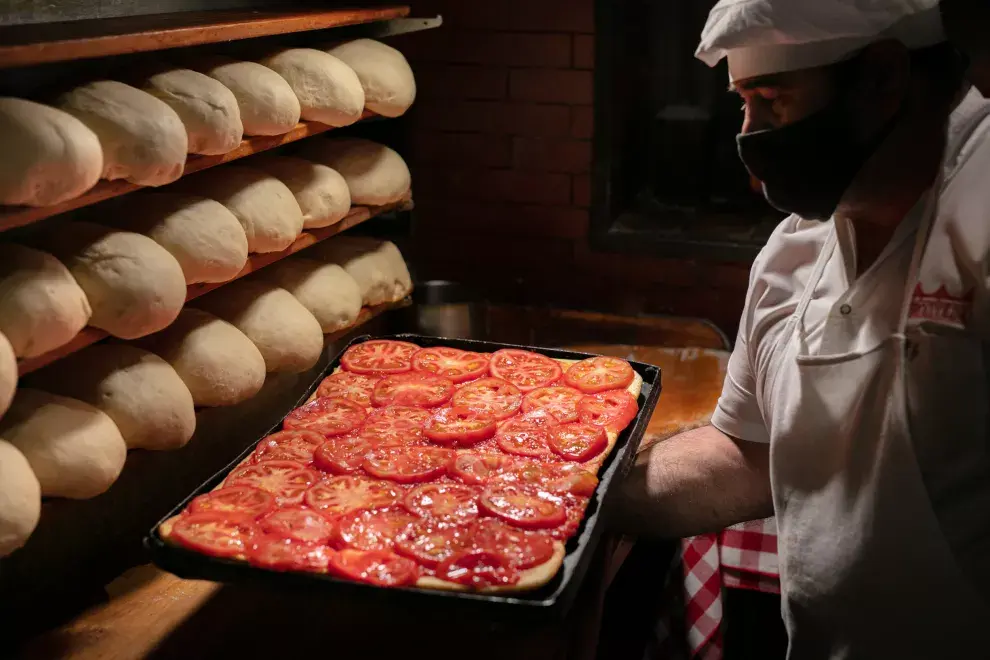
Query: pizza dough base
[(320, 191), (328, 90), (8, 374), (267, 104), (207, 109), (326, 290), (376, 175), (385, 75), (20, 499), (376, 266)]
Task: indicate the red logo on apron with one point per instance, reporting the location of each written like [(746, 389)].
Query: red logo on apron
[(941, 306)]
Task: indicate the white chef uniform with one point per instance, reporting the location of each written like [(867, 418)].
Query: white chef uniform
[(873, 393)]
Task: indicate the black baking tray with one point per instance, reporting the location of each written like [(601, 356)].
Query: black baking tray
[(552, 601)]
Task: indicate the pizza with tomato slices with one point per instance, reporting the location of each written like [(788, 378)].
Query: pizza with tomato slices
[(431, 467)]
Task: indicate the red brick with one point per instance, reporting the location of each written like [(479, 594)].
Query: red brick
[(551, 15), (462, 82), (638, 269), (509, 48), (728, 276), (461, 149), (515, 254), (582, 190), (552, 86), (573, 156), (447, 216), (493, 185), (584, 51), (582, 122), (524, 119)]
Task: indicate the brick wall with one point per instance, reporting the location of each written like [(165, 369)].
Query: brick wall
[(501, 152)]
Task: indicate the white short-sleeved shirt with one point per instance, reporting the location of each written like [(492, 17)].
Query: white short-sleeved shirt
[(847, 313)]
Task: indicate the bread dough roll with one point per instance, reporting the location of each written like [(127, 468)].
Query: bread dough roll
[(265, 207), (202, 234), (216, 361), (375, 174), (20, 499), (267, 103), (285, 332), (321, 192), (385, 75), (8, 374), (143, 139), (74, 449), (328, 90), (41, 305), (134, 285), (49, 155), (376, 266), (326, 290), (138, 390), (207, 109)]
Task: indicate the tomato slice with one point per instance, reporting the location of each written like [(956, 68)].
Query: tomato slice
[(460, 426), (449, 502), (478, 569), (414, 389), (214, 533), (495, 396), (379, 357), (297, 445), (382, 569), (523, 549), (244, 500), (297, 524), (556, 478), (408, 465), (329, 417), (340, 495), (457, 365), (528, 435), (524, 369), (613, 410), (395, 425), (478, 469), (430, 542), (575, 507), (578, 442), (281, 554), (523, 508), (559, 401), (599, 374), (372, 530), (342, 455), (345, 385), (286, 480)]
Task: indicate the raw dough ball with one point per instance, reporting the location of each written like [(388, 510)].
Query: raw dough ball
[(20, 499), (204, 237), (265, 207), (50, 156), (288, 336), (326, 290), (207, 109), (267, 103), (133, 284), (138, 390), (8, 374), (41, 306), (74, 449), (143, 139), (216, 361), (328, 90), (375, 174), (321, 192), (376, 266), (388, 82)]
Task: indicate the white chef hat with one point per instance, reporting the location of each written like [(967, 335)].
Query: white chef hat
[(761, 37)]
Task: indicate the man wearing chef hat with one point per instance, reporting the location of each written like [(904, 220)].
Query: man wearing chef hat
[(856, 406)]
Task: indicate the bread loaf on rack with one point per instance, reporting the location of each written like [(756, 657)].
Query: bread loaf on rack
[(321, 192), (143, 139), (376, 266), (49, 155), (328, 90), (20, 499), (135, 287), (267, 104), (326, 290), (208, 110), (217, 362), (138, 390), (388, 81), (375, 174), (74, 449), (41, 305), (8, 374)]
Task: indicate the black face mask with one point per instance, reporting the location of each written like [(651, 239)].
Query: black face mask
[(805, 167)]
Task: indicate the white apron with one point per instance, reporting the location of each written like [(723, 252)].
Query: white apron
[(865, 567)]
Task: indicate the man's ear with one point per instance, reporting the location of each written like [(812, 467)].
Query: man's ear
[(882, 83)]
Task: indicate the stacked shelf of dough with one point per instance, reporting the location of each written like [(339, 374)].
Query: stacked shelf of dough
[(130, 267)]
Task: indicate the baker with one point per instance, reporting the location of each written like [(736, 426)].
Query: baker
[(856, 407)]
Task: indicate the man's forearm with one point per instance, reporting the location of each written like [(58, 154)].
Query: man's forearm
[(696, 482)]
